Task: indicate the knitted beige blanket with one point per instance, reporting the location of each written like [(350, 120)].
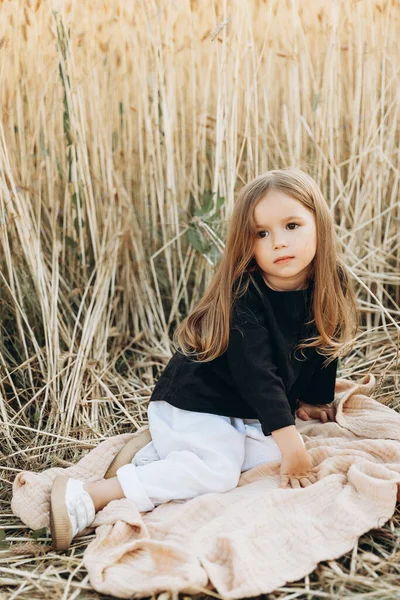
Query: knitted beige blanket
[(254, 538)]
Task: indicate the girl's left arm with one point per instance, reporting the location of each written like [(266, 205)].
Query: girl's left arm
[(316, 401), (321, 389)]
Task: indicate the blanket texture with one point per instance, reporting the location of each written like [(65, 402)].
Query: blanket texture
[(254, 538)]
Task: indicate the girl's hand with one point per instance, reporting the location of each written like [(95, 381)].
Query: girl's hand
[(297, 470), (324, 412)]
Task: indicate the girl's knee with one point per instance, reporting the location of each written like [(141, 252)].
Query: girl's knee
[(226, 479)]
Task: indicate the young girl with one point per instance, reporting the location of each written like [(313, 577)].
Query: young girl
[(227, 399)]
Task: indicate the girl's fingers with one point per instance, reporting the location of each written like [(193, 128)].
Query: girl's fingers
[(316, 412), (330, 414), (324, 416), (305, 482), (297, 482), (301, 413), (284, 481)]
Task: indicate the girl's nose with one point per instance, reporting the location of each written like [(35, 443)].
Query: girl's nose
[(279, 244)]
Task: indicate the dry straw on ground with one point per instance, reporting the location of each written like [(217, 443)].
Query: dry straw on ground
[(123, 124)]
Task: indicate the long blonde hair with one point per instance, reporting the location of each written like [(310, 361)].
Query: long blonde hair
[(204, 333)]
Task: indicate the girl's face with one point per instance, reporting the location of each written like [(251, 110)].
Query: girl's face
[(285, 227)]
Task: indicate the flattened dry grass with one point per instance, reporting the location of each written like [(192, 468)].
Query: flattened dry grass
[(126, 130)]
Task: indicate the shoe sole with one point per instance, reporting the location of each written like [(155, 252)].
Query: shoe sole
[(125, 455), (60, 525)]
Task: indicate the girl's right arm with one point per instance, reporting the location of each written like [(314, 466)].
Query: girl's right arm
[(296, 464)]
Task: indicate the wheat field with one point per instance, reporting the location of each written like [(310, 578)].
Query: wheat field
[(126, 131)]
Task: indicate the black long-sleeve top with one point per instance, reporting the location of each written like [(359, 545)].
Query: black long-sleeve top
[(258, 376)]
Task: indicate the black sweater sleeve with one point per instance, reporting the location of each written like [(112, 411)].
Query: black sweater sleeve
[(255, 374), (321, 389)]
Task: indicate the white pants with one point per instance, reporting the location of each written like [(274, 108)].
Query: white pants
[(193, 453)]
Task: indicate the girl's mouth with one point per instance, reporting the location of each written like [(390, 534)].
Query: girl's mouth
[(284, 260)]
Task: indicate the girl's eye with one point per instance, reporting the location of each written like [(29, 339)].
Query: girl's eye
[(297, 225), (292, 223)]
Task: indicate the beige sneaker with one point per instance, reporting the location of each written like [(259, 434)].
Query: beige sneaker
[(71, 510), (127, 452)]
